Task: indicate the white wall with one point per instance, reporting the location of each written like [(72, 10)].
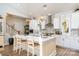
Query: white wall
[(19, 25), (18, 22)]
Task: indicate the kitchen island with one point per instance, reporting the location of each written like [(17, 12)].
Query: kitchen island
[(47, 44)]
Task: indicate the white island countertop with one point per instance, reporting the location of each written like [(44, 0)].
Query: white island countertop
[(35, 38)]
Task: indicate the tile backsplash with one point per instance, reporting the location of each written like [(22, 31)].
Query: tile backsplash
[(75, 32)]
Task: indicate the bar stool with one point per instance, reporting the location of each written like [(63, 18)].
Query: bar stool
[(20, 44), (17, 44), (31, 46), (24, 43)]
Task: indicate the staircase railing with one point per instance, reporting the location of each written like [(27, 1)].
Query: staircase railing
[(10, 29)]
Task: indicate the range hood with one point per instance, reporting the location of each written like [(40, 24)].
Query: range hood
[(49, 29), (49, 24)]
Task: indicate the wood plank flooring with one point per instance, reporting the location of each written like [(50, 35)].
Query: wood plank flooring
[(66, 52), (7, 51)]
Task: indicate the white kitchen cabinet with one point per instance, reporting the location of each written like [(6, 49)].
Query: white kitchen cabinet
[(66, 41), (69, 41), (63, 41), (75, 21), (75, 43), (59, 40), (56, 23)]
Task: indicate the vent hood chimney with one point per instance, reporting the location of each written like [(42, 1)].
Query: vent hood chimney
[(49, 24), (49, 29)]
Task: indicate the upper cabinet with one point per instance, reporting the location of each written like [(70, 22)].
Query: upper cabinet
[(56, 23), (75, 21)]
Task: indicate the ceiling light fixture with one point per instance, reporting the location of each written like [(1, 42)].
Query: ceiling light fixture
[(45, 7)]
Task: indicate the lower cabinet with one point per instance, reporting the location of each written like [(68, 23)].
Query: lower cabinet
[(63, 41), (59, 40), (75, 43), (68, 42)]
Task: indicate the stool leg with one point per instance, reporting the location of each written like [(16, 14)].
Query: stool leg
[(27, 52), (33, 52), (19, 51), (15, 50), (26, 47)]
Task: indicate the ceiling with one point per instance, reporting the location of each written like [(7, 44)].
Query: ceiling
[(37, 9)]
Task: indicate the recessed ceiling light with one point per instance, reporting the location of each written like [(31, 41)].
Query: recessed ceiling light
[(44, 5)]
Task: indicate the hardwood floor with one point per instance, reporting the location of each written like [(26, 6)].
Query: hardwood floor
[(7, 51), (66, 52)]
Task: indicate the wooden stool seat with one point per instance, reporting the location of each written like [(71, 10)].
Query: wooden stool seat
[(32, 45), (20, 44), (35, 44)]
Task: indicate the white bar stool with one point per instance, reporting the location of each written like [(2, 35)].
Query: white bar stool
[(31, 46)]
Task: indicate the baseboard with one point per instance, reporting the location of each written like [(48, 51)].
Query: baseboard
[(68, 48)]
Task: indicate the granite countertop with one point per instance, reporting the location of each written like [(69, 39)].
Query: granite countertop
[(36, 38)]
